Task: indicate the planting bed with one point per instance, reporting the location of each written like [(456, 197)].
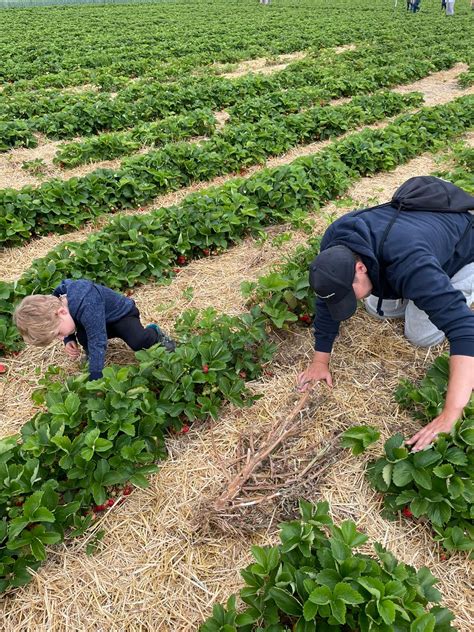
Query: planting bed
[(108, 504)]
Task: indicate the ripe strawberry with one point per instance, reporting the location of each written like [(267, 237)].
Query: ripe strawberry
[(206, 252), (176, 270), (243, 374), (127, 490), (305, 318), (185, 429), (98, 508), (205, 368), (443, 557), (406, 511), (110, 502), (3, 368), (181, 260)]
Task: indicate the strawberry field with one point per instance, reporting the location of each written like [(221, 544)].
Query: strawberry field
[(191, 155)]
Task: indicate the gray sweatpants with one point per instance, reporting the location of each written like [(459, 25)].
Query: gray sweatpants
[(419, 329)]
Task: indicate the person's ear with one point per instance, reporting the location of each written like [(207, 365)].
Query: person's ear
[(62, 311), (360, 267)]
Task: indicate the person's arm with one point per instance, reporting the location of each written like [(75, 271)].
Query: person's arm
[(431, 290), (460, 387), (325, 332), (92, 318)]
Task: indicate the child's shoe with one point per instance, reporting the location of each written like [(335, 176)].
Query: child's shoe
[(168, 343)]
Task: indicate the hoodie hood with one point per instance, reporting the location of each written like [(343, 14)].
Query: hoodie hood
[(428, 193), (75, 291)]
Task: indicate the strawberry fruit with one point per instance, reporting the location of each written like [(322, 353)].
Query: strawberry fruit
[(205, 368), (3, 368), (406, 511)]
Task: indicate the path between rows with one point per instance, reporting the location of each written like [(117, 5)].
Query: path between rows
[(438, 88)]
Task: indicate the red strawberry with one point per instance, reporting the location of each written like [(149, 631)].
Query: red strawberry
[(443, 557), (3, 368), (185, 429), (99, 508), (181, 260), (243, 375), (127, 490), (305, 318), (205, 368), (206, 252), (176, 270), (110, 502), (406, 511)]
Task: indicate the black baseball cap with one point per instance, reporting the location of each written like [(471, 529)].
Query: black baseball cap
[(331, 276)]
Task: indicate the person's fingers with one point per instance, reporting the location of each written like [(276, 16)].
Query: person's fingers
[(329, 380)]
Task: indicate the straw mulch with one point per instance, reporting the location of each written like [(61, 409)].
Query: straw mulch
[(166, 557)]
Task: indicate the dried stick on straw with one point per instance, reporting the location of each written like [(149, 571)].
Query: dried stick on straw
[(277, 435)]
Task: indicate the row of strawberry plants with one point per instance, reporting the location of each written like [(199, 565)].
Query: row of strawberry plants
[(61, 204), (389, 71), (90, 438), (435, 485), (317, 579), (115, 144), (133, 249), (68, 115)]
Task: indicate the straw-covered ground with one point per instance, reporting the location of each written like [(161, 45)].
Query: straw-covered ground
[(166, 557)]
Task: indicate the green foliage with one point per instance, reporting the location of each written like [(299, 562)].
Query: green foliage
[(358, 438), (115, 144), (316, 580), (436, 484), (59, 205)]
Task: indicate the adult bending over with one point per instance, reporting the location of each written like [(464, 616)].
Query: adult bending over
[(414, 258)]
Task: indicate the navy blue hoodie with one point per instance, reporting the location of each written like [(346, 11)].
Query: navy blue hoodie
[(420, 254), (92, 306)]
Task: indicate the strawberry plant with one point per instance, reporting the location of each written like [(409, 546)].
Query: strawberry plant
[(437, 485), (315, 579), (358, 438)]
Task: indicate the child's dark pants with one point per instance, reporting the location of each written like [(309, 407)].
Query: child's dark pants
[(129, 329)]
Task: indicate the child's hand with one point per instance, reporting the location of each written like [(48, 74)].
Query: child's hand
[(72, 350)]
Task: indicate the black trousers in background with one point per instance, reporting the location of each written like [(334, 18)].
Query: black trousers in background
[(129, 329)]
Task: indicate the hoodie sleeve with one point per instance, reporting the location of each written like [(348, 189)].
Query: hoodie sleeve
[(325, 328), (421, 279), (92, 318)]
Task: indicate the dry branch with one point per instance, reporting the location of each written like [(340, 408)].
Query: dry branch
[(278, 433)]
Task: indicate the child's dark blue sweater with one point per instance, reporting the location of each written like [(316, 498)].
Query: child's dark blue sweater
[(421, 253), (92, 306)]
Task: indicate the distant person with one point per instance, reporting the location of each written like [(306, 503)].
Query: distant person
[(411, 258), (443, 5), (450, 7), (80, 311)]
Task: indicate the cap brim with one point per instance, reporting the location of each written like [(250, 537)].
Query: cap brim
[(344, 309)]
